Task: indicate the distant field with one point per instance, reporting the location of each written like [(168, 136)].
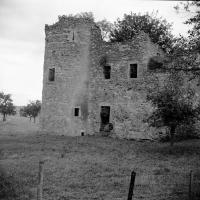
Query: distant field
[(95, 168), (18, 125)]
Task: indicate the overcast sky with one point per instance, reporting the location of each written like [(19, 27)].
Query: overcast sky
[(22, 35)]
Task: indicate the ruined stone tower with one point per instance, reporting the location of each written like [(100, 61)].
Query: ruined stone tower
[(89, 85), (65, 78)]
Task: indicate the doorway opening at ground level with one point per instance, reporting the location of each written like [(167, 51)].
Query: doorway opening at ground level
[(105, 117)]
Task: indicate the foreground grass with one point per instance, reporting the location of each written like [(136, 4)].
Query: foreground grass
[(95, 167)]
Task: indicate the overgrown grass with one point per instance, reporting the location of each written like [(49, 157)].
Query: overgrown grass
[(98, 167), (11, 188)]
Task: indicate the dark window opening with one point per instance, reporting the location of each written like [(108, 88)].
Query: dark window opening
[(106, 71), (133, 70), (105, 117), (73, 36), (82, 133), (52, 74), (76, 112)]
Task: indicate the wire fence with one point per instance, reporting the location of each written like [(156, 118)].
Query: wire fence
[(156, 185)]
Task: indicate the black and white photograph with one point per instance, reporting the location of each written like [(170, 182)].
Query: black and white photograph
[(99, 100)]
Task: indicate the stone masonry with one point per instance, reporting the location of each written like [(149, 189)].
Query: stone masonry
[(78, 98)]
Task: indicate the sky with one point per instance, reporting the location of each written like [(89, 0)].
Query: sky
[(22, 35)]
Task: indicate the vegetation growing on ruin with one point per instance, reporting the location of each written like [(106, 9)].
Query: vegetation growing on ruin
[(176, 104), (158, 29), (82, 15)]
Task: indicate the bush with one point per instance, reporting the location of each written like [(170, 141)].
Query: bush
[(183, 132)]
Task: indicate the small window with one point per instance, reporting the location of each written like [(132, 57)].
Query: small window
[(106, 71), (76, 112), (133, 71), (52, 74)]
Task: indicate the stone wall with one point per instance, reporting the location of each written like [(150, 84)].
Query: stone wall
[(75, 49), (125, 96), (66, 50)]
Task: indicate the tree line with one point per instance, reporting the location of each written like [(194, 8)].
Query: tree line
[(31, 110), (7, 107)]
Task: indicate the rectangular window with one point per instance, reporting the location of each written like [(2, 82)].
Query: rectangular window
[(106, 71), (52, 74), (133, 71), (76, 112), (105, 117)]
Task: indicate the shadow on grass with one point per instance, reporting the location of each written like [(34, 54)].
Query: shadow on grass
[(12, 188), (186, 148)]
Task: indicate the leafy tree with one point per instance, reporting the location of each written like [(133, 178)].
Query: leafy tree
[(175, 103), (193, 8), (32, 109), (158, 29), (195, 22), (106, 28), (6, 105), (186, 51)]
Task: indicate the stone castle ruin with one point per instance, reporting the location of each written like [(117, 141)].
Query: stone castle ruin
[(94, 87)]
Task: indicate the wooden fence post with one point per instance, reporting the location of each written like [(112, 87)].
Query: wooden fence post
[(131, 187), (40, 181), (190, 185)]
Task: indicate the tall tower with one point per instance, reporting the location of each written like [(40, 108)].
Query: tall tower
[(66, 76)]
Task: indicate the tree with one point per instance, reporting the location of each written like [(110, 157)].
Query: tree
[(6, 105), (35, 108), (186, 52), (106, 28), (32, 109), (175, 103), (25, 112), (195, 22), (158, 29), (192, 7)]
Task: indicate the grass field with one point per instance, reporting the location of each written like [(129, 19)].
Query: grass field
[(96, 168)]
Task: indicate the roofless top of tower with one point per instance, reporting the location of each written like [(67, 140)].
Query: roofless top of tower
[(70, 21)]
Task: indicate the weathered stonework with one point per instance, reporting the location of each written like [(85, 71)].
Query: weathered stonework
[(74, 47)]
